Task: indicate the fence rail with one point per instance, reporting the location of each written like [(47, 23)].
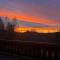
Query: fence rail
[(33, 49)]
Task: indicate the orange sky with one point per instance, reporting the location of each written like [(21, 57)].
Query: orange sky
[(46, 12), (39, 30), (29, 18)]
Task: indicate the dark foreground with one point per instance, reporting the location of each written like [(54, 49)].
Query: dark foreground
[(9, 57), (25, 50)]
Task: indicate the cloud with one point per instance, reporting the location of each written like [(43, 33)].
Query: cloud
[(38, 11), (29, 24)]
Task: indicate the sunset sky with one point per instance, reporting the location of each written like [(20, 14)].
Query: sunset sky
[(43, 12)]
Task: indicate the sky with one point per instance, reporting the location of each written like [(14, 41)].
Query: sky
[(43, 12)]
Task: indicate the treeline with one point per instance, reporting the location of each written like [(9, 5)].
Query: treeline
[(6, 26)]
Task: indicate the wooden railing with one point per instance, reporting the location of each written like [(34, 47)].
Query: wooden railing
[(32, 49)]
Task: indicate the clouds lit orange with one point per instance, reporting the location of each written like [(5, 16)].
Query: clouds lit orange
[(36, 11)]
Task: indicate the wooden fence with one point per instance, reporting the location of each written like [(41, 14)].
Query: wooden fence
[(32, 49)]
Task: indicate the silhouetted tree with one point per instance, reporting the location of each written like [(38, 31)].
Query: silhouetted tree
[(10, 27), (14, 21), (1, 25)]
